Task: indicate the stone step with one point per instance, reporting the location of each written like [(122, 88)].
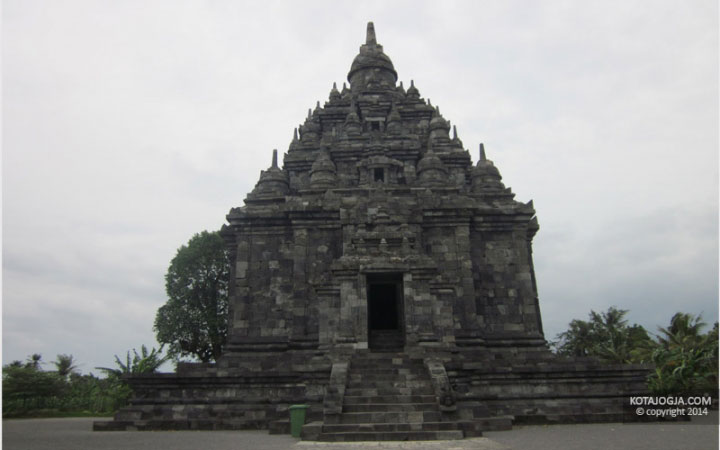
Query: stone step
[(413, 384), (390, 407), (398, 357), (385, 336), (388, 371), (388, 377), (383, 391), (375, 343), (374, 365), (496, 423), (390, 417), (385, 427), (391, 436), (360, 400)]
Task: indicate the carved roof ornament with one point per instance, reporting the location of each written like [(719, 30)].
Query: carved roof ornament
[(394, 115), (371, 68), (394, 121), (295, 140), (323, 172), (310, 130), (334, 93), (438, 121), (353, 127), (412, 91), (485, 176), (430, 169), (273, 181), (345, 93)]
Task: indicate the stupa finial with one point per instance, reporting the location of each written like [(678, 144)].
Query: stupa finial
[(370, 37), (454, 132), (482, 152), (274, 160)]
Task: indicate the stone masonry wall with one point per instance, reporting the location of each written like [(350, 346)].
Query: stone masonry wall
[(505, 294)]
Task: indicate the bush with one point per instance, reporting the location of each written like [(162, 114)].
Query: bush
[(29, 391)]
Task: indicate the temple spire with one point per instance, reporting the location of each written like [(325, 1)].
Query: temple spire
[(482, 152), (370, 37), (274, 160)]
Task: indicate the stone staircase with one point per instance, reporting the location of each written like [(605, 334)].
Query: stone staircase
[(386, 340), (388, 397)]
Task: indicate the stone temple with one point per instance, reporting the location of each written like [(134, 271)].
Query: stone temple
[(386, 281)]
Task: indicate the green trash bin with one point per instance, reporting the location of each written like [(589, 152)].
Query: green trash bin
[(297, 419)]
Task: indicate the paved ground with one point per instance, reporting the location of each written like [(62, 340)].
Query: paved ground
[(76, 434), (700, 434)]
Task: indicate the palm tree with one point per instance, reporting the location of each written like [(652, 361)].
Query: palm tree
[(33, 361), (577, 340), (606, 336), (686, 360), (65, 365), (683, 332), (614, 339)]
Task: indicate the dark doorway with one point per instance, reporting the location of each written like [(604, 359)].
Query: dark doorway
[(385, 311), (379, 175)]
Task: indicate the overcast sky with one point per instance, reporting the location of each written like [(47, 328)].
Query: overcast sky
[(129, 126)]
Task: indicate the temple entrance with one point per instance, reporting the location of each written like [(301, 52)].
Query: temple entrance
[(385, 312)]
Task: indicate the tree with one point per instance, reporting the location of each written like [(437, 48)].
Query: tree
[(686, 361), (143, 362), (607, 337), (34, 361), (65, 365), (27, 387), (193, 321), (684, 331)]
